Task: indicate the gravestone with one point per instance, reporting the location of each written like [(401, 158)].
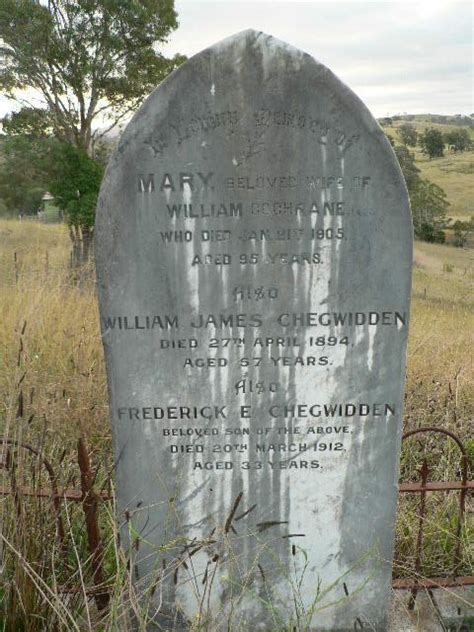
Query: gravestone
[(254, 250)]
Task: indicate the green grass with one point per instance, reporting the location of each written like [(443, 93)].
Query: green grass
[(454, 172)]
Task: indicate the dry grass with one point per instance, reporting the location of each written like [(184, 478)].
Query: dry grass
[(61, 360), (439, 392), (53, 390), (454, 172), (440, 382), (52, 387)]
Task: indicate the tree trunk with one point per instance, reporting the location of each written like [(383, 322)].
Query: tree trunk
[(82, 249)]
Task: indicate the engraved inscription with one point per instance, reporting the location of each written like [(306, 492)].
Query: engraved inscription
[(253, 257)]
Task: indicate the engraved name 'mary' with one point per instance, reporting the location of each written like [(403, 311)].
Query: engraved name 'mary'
[(254, 262)]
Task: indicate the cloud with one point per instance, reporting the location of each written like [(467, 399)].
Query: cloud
[(398, 56)]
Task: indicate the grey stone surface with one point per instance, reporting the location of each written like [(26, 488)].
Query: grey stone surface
[(254, 250)]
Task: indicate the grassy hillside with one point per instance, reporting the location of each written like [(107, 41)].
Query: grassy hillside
[(454, 172)]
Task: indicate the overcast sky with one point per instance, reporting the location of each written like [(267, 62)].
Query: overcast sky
[(411, 57), (398, 57)]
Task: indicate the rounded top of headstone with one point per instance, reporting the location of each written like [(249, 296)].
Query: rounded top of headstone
[(258, 37), (254, 94), (254, 60)]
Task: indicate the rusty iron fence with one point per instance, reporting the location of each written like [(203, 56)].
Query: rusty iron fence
[(423, 487), (90, 499), (87, 496)]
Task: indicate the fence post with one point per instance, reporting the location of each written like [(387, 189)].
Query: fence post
[(89, 505), (419, 543)]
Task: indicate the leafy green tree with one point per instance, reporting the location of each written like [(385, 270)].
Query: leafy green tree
[(428, 201), (31, 123), (92, 62), (36, 161), (22, 176), (458, 139), (406, 160), (74, 180), (408, 134), (432, 143), (89, 60), (429, 206), (461, 231)]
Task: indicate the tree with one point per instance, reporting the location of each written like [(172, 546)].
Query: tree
[(428, 201), (32, 123), (74, 180), (410, 171), (429, 206), (432, 143), (21, 183), (408, 134), (461, 231), (22, 178), (90, 60), (36, 161), (458, 139)]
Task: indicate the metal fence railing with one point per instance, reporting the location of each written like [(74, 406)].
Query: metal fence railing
[(90, 500)]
